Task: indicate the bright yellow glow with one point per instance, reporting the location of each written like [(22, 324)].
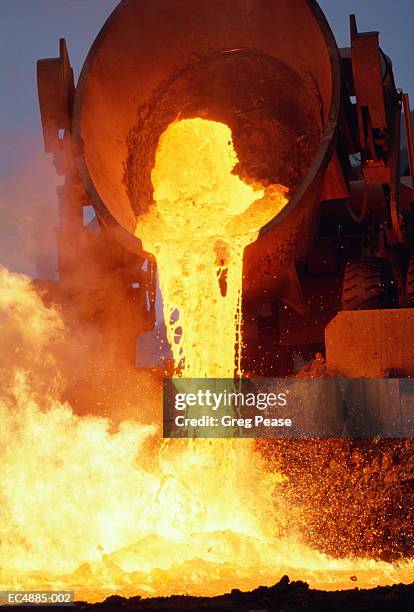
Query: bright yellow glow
[(99, 509), (203, 218)]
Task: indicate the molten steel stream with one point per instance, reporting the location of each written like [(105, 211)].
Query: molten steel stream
[(101, 510), (203, 218)]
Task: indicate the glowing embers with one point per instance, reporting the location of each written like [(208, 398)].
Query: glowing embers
[(99, 509), (203, 218)]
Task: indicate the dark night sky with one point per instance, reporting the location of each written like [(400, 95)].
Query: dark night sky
[(30, 29)]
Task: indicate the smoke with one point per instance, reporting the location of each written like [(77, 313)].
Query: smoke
[(28, 328), (99, 377), (28, 206), (76, 488), (102, 505), (49, 454)]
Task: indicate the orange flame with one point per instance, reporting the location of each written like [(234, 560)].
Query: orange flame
[(81, 507)]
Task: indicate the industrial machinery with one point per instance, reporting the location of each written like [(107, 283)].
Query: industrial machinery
[(323, 121)]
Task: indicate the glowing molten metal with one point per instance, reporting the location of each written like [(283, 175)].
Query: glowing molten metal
[(203, 218), (101, 508)]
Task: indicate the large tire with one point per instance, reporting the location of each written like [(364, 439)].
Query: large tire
[(368, 285), (410, 283)]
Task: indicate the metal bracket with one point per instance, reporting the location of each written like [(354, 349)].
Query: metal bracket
[(56, 92), (378, 108), (370, 104)]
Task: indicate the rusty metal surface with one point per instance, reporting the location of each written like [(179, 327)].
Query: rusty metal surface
[(56, 92), (366, 68), (409, 134), (371, 343)]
